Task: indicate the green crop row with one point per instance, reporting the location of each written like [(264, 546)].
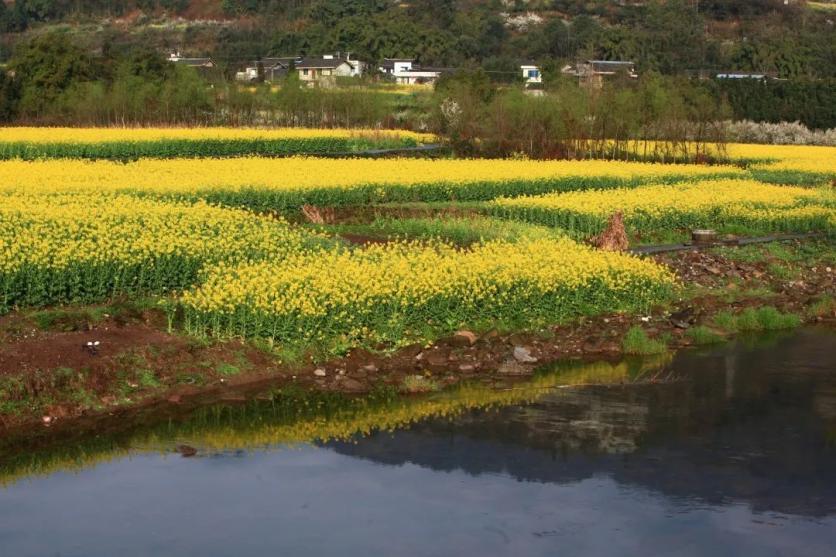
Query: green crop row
[(198, 148)]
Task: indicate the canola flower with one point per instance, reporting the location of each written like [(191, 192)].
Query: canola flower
[(812, 159), (286, 184), (76, 248), (809, 159), (719, 203), (391, 293)]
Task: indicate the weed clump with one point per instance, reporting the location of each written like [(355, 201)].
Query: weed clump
[(822, 307), (636, 342), (766, 318)]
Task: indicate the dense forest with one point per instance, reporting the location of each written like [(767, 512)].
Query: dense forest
[(791, 39), (97, 62)]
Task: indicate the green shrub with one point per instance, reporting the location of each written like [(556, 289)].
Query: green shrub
[(637, 342), (766, 318)]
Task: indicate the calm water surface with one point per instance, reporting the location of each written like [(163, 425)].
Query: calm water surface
[(726, 452)]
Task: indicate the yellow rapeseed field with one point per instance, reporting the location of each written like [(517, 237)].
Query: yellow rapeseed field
[(73, 247), (673, 206), (814, 159), (389, 292), (337, 178)]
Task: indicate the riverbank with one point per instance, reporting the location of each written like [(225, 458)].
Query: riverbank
[(62, 364)]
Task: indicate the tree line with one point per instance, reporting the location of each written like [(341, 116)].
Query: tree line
[(52, 80), (670, 36)]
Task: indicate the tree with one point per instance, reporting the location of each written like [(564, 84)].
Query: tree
[(9, 96), (46, 67)]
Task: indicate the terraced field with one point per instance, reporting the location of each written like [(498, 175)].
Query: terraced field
[(319, 256)]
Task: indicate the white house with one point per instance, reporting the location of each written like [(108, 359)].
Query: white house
[(323, 70), (200, 64), (392, 66), (531, 74), (405, 71)]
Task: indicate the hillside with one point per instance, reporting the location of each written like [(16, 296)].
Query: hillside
[(793, 40)]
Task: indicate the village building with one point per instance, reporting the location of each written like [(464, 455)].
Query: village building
[(200, 64), (406, 71), (392, 66), (269, 69), (324, 70), (532, 77)]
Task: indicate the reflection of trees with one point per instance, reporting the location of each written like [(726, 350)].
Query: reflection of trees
[(752, 427)]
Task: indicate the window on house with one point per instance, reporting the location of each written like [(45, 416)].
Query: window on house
[(533, 74), (304, 72)]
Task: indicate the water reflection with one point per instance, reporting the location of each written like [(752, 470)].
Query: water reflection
[(274, 421), (729, 452), (744, 427)]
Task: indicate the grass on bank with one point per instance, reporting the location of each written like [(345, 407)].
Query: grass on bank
[(637, 343), (766, 318)]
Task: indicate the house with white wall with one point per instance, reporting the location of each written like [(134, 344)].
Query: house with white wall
[(406, 71), (324, 70), (531, 74)]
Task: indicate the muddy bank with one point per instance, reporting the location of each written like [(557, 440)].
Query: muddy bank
[(79, 368)]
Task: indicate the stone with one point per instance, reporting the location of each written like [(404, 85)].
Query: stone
[(350, 385), (319, 372), (523, 355), (369, 368), (186, 450), (464, 338), (467, 368), (437, 359)]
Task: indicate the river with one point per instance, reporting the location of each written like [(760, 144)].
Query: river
[(727, 451)]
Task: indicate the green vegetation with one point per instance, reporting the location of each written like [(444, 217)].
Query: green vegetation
[(702, 335), (420, 384), (228, 370), (824, 306), (464, 230), (199, 148), (766, 318), (636, 342)]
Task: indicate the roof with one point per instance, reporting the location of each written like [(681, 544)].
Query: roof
[(419, 72), (319, 62), (279, 61), (389, 63)]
